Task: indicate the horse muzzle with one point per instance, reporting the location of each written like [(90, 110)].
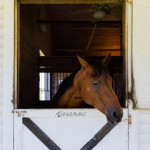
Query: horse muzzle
[(114, 116)]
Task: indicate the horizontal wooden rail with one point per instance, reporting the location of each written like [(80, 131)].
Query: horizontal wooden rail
[(64, 64)]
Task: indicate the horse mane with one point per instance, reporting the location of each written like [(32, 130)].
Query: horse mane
[(66, 84), (98, 68)]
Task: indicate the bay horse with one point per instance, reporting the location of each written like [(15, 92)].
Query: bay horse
[(92, 84)]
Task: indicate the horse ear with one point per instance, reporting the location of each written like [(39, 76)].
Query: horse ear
[(106, 60), (82, 62)]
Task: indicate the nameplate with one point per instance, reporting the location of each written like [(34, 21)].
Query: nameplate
[(70, 114)]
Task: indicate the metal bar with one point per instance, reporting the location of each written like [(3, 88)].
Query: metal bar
[(98, 137), (40, 134)]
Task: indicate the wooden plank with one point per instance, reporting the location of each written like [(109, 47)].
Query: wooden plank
[(84, 50), (58, 64), (69, 64), (28, 61), (59, 23), (98, 137), (76, 37), (89, 53), (106, 39), (8, 63), (74, 13), (82, 24), (40, 134), (69, 1), (51, 145), (56, 60), (60, 70)]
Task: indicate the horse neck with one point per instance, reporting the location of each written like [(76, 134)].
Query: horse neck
[(76, 88), (72, 96), (68, 100)]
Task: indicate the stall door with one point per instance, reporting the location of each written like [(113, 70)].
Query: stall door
[(66, 129)]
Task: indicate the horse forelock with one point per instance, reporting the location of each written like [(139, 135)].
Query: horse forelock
[(98, 68)]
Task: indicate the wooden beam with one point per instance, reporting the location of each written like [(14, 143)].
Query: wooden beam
[(99, 23), (75, 37), (99, 136), (88, 53), (69, 1), (63, 64), (40, 134), (58, 64), (84, 50)]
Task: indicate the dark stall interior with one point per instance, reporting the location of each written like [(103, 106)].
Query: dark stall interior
[(50, 38)]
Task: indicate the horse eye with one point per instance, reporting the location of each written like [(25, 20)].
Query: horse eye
[(94, 83)]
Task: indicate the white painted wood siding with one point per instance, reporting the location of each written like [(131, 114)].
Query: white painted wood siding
[(8, 61), (1, 71), (139, 130), (141, 52)]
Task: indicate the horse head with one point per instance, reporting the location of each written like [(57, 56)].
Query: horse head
[(95, 86)]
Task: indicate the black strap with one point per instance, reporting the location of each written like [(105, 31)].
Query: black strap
[(52, 146), (40, 134), (98, 137)]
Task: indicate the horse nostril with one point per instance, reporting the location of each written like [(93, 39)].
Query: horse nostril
[(115, 114)]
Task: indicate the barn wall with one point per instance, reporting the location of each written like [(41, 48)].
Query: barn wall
[(32, 38), (7, 47), (139, 125), (141, 52), (28, 67), (1, 71), (141, 55), (139, 130), (44, 36)]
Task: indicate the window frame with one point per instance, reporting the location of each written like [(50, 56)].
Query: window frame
[(126, 46)]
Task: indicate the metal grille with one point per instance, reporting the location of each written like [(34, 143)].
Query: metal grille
[(49, 84), (57, 79)]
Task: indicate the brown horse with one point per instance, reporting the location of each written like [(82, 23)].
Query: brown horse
[(92, 84)]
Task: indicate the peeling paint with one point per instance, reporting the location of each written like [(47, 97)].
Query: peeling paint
[(133, 93), (129, 119)]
